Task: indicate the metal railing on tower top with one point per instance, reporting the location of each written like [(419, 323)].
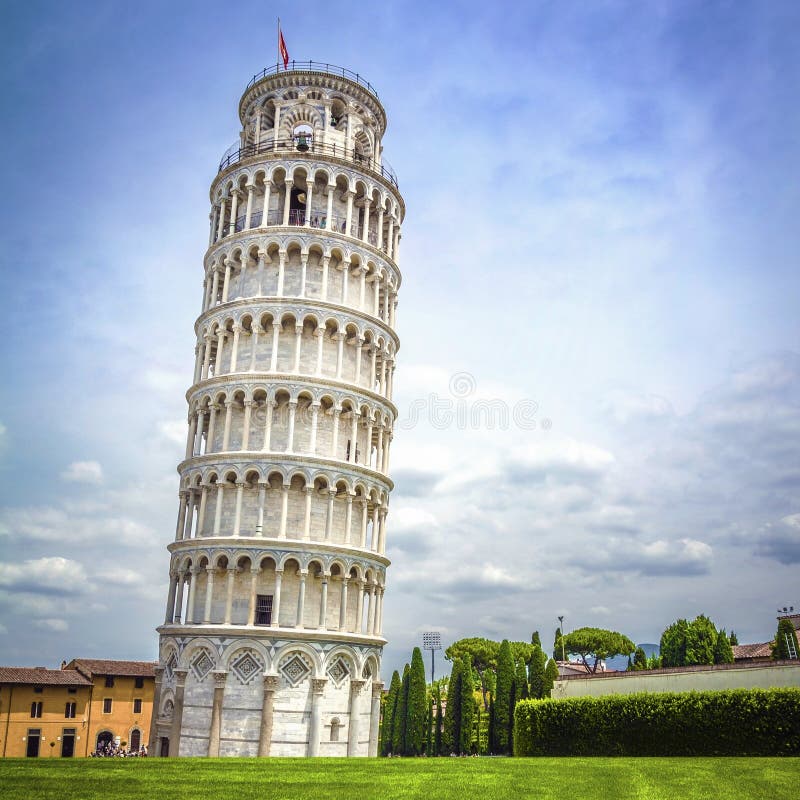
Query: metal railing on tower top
[(304, 143), (314, 66)]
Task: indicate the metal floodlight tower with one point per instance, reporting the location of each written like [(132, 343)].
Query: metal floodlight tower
[(432, 640)]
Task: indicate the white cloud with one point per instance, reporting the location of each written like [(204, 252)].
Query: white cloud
[(173, 431), (52, 624), (50, 575), (83, 472)]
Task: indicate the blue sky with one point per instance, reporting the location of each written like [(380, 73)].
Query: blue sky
[(601, 218)]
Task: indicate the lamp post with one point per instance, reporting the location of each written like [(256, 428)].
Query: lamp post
[(561, 628), (432, 640)]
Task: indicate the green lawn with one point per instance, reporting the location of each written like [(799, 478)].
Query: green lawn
[(376, 779)]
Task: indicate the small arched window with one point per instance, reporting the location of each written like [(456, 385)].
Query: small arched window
[(136, 740), (335, 725)]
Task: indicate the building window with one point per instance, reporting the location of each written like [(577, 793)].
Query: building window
[(107, 705), (263, 609), (69, 710), (68, 742), (38, 689), (139, 683), (36, 709), (136, 740), (109, 681), (137, 705), (72, 691)]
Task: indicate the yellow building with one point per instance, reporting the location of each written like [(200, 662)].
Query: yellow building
[(88, 703)]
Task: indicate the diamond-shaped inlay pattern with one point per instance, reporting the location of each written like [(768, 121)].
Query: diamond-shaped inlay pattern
[(338, 671), (367, 673), (295, 670), (202, 665), (246, 668), (170, 667)]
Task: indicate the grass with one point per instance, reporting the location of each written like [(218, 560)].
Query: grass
[(385, 779)]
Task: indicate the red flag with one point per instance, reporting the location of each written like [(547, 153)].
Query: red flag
[(282, 49)]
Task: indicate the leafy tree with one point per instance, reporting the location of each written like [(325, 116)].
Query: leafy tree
[(388, 714), (491, 725), (701, 641), (467, 703), (639, 659), (536, 670), (482, 652), (673, 644), (781, 648), (734, 639), (558, 652), (521, 650), (654, 662), (723, 652), (401, 715), (550, 677), (503, 701), (536, 640), (598, 644), (452, 719), (417, 705)]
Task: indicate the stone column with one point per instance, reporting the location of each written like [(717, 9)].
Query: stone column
[(276, 333), (323, 604), (213, 409), (183, 494), (226, 434), (251, 610), (375, 718), (218, 509), (265, 212), (329, 515), (286, 203), (262, 496), (365, 232), (317, 688), (320, 334), (192, 593), (364, 517), (235, 345), (298, 343), (250, 187), (284, 510), (329, 217), (309, 490), (209, 595), (312, 441), (359, 628), (226, 283), (371, 615), (173, 587), (276, 600), (192, 505), (220, 677), (309, 192), (221, 225), (153, 736), (341, 335), (326, 260), (343, 605), (348, 520), (335, 438), (345, 281), (254, 331), (301, 600), (267, 426), (248, 410), (265, 732), (178, 610), (237, 519), (177, 713), (349, 222), (353, 729), (234, 209), (229, 595), (290, 431)]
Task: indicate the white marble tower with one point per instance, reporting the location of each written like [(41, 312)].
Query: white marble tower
[(272, 639)]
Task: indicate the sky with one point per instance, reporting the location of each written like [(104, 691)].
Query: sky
[(599, 375)]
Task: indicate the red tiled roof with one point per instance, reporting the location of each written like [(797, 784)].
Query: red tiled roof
[(763, 650), (100, 666), (41, 677)]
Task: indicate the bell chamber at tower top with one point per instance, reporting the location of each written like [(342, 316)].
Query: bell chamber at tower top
[(309, 154)]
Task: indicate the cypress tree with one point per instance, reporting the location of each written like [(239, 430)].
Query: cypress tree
[(557, 649), (389, 710), (437, 734), (734, 639), (536, 639), (401, 715), (723, 652), (536, 668), (781, 647), (639, 659), (504, 699), (467, 705), (550, 677), (491, 736), (429, 725), (452, 717), (417, 705), (521, 691)]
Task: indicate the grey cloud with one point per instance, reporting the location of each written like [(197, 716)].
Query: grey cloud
[(781, 542)]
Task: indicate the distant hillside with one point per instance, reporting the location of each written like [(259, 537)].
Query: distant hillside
[(621, 662)]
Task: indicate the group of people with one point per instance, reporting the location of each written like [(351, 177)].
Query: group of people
[(113, 750)]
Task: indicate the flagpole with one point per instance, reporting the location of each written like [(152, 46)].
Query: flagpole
[(279, 42)]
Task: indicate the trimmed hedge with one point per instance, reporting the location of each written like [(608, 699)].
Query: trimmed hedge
[(739, 722)]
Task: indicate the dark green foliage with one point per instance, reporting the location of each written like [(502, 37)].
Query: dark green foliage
[(491, 726), (780, 649), (597, 644), (723, 652), (629, 667), (504, 700), (684, 643), (452, 719), (734, 639), (550, 677), (521, 690), (437, 733), (467, 706), (389, 710), (429, 725), (536, 640), (401, 715), (521, 650), (536, 668), (557, 649), (752, 722), (483, 653), (639, 659), (416, 706), (654, 662)]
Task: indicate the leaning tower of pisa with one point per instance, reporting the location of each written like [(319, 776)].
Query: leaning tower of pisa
[(272, 639)]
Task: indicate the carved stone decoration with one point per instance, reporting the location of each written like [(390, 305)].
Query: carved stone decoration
[(338, 672), (202, 665), (170, 667), (246, 667), (295, 670)]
